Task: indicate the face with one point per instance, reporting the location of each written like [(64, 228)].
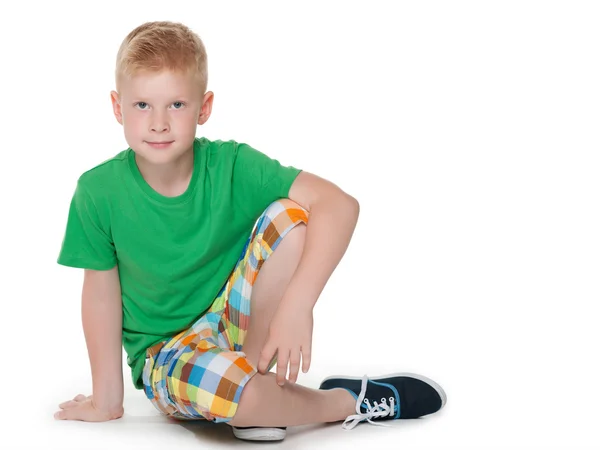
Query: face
[(159, 112)]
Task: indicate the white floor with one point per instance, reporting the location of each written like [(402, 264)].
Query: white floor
[(487, 408), (142, 428)]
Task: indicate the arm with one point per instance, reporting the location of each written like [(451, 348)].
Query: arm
[(102, 317), (333, 216)]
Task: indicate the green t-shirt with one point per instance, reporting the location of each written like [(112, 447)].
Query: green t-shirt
[(174, 254)]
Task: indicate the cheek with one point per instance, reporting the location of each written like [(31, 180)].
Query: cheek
[(185, 122), (132, 122), (188, 117)]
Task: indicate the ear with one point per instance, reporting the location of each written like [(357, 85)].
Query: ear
[(206, 108), (116, 103)]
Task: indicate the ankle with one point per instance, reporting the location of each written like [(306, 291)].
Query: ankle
[(345, 399)]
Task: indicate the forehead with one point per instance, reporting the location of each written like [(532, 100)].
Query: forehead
[(163, 84)]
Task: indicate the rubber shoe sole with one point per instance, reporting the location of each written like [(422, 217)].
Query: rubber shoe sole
[(259, 433)]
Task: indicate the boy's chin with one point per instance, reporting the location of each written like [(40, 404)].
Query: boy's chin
[(160, 156)]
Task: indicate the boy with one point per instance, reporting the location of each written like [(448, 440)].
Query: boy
[(201, 261)]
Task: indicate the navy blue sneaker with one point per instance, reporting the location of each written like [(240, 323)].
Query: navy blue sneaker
[(397, 396), (260, 433)]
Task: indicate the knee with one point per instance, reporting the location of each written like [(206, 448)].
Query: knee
[(286, 203), (294, 211)]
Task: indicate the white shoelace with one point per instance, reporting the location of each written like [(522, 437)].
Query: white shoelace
[(375, 411)]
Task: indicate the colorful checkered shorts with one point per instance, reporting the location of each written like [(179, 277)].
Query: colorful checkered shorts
[(200, 373)]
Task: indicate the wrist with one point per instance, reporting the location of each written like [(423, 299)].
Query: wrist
[(296, 305), (299, 295), (111, 412), (108, 395)]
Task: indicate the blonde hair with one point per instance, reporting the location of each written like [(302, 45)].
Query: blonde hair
[(156, 46)]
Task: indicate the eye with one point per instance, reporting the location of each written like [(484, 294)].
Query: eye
[(178, 105), (141, 105)]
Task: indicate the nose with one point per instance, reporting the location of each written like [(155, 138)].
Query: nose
[(159, 123)]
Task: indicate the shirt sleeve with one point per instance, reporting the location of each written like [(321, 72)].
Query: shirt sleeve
[(87, 242), (259, 180)]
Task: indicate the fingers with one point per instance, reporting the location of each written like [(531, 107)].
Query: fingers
[(266, 355), (81, 410), (285, 358), (84, 410), (67, 414), (282, 365), (294, 366), (70, 403), (295, 363), (306, 356)]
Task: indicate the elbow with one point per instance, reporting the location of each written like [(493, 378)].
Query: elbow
[(353, 205)]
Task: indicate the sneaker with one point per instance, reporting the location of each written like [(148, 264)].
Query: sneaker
[(398, 396), (260, 433)]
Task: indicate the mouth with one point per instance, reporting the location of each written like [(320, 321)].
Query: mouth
[(159, 144)]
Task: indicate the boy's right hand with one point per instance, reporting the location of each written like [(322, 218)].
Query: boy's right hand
[(83, 408)]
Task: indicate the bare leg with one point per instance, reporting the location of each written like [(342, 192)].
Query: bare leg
[(269, 287), (263, 402)]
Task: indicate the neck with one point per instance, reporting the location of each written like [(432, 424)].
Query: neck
[(170, 180)]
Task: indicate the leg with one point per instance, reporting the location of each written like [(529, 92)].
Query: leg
[(262, 392), (264, 403), (203, 373), (269, 287)]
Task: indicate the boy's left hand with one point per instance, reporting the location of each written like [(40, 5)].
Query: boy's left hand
[(290, 335)]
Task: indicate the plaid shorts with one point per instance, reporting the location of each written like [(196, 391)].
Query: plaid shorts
[(200, 373)]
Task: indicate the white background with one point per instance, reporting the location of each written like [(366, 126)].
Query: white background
[(468, 131)]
